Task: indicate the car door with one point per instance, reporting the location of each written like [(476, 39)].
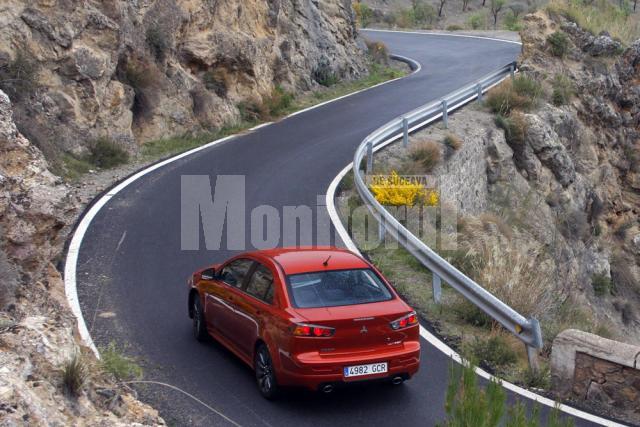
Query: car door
[(254, 309), (220, 303)]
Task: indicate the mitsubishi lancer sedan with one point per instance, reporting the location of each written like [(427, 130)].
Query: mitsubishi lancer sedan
[(316, 318)]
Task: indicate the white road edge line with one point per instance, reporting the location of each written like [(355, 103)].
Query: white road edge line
[(436, 33), (428, 336), (71, 262)]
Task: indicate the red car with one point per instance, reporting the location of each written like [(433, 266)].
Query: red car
[(315, 318)]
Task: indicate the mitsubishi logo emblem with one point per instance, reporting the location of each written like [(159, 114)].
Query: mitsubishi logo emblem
[(364, 330)]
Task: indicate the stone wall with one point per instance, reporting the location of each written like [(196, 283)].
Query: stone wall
[(598, 372)]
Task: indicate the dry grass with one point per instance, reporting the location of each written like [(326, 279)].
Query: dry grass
[(521, 93), (74, 375), (427, 153), (452, 141), (598, 16), (514, 270)]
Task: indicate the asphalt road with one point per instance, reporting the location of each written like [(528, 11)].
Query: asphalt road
[(132, 268)]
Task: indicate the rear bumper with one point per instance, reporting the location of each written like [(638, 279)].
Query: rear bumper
[(312, 370)]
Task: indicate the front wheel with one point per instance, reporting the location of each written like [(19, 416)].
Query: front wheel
[(265, 373), (199, 324)]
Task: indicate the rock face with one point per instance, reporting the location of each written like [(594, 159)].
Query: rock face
[(36, 326), (134, 71)]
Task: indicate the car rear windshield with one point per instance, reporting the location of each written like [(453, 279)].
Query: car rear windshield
[(337, 287)]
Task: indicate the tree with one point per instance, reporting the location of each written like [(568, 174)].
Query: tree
[(517, 9), (442, 3), (496, 7), (465, 5), (483, 2)]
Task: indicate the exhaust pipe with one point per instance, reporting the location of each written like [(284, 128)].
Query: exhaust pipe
[(397, 380), (328, 388)]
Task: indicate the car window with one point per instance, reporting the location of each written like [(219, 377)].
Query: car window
[(335, 288), (235, 272), (261, 284)]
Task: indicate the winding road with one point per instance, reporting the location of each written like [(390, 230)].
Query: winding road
[(131, 271)]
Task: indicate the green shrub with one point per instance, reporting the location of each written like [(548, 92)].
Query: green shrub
[(602, 284), (145, 79), (477, 21), (468, 404), (423, 13), (512, 22), (494, 351), (364, 14), (278, 102), (471, 314), (427, 153), (454, 27), (540, 378), (158, 42), (559, 43), (105, 154), (74, 375), (19, 77), (324, 74), (514, 127), (122, 367), (563, 90)]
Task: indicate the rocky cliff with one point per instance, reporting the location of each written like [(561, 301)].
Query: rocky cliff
[(570, 174), (135, 71), (37, 329)]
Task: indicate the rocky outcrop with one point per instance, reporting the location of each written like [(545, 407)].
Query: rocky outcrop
[(134, 71), (37, 329)]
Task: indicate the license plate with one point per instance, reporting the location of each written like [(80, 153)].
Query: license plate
[(360, 370)]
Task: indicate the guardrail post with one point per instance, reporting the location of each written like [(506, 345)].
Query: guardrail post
[(437, 288), (405, 132), (445, 114), (381, 231), (369, 158), (532, 350), (479, 89), (512, 70)]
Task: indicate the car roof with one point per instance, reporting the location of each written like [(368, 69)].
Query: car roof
[(307, 260)]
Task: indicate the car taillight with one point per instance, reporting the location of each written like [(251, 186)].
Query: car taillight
[(304, 330), (405, 321)]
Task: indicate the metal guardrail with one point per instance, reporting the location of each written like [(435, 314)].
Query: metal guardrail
[(527, 330)]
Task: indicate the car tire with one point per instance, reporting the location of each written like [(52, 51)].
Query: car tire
[(265, 373), (199, 323)]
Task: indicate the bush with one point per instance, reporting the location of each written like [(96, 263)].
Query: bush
[(214, 81), (495, 351), (454, 27), (521, 93), (452, 141), (364, 14), (122, 367), (515, 128), (468, 404), (559, 43), (157, 42), (602, 284), (471, 314), (427, 153), (378, 52), (538, 379), (423, 13), (324, 74), (105, 154), (74, 375), (563, 90), (621, 231), (19, 77), (477, 21), (511, 21), (278, 102)]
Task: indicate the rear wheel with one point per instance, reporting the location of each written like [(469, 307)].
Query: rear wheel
[(265, 373), (199, 324)]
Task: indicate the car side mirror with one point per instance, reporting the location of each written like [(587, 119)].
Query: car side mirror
[(208, 274)]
